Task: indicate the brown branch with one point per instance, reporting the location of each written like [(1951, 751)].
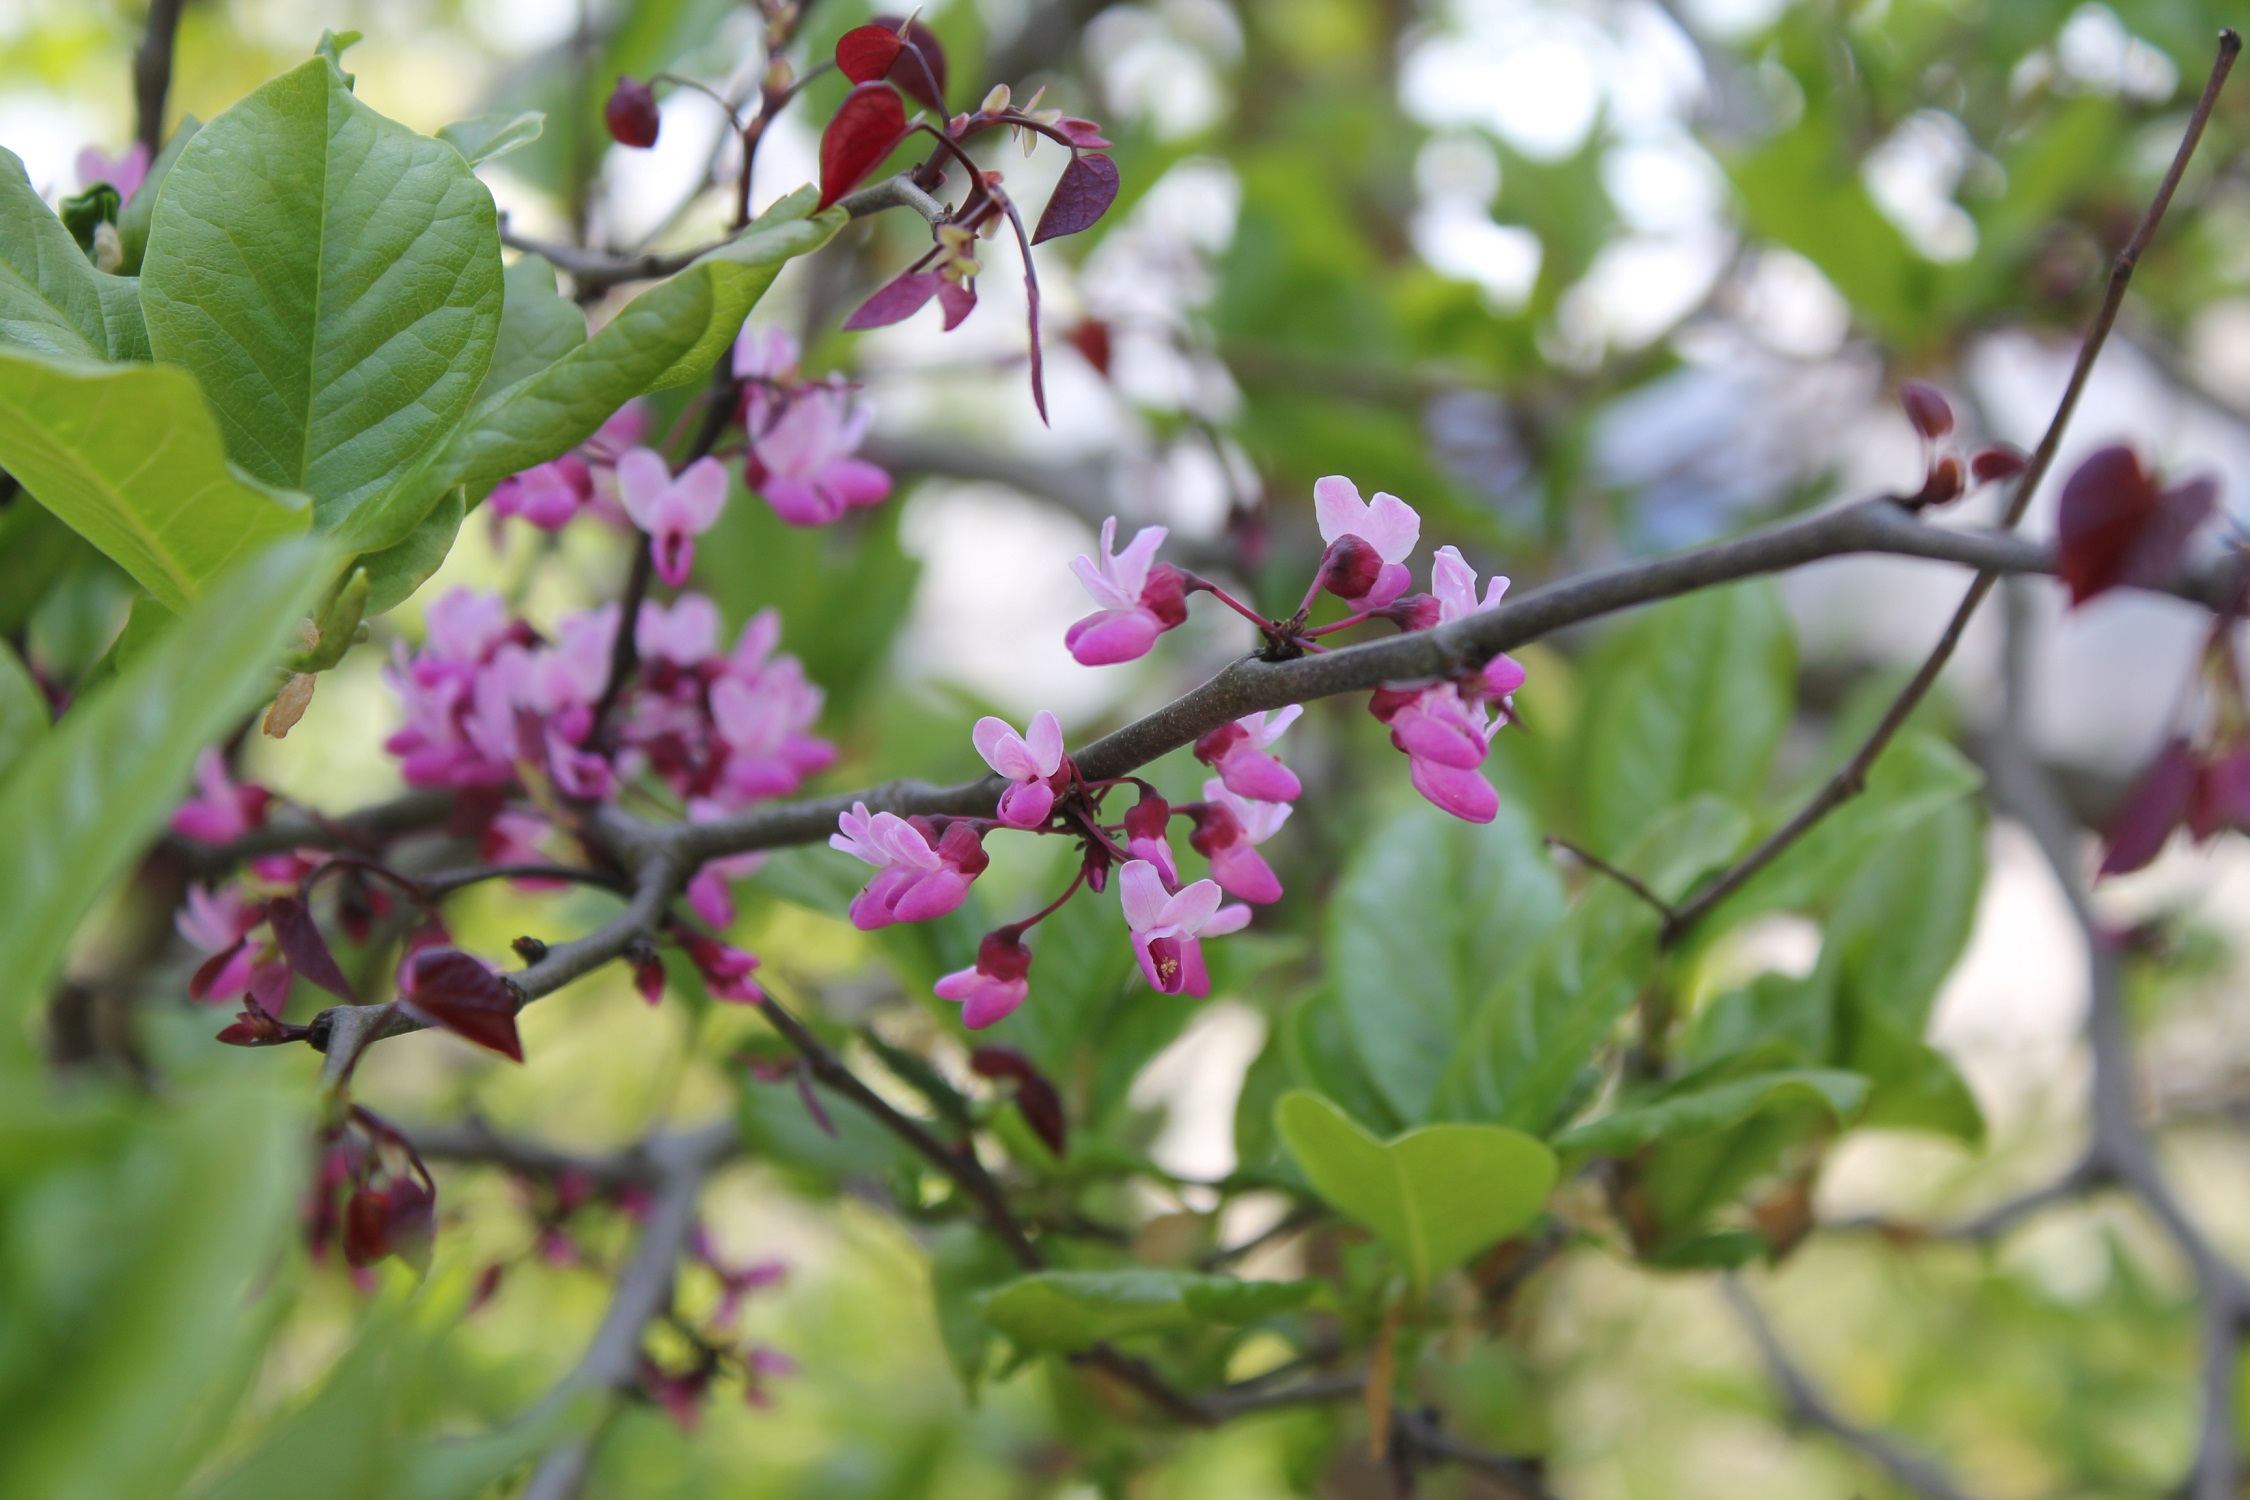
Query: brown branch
[(1625, 878), (1852, 778), (152, 72)]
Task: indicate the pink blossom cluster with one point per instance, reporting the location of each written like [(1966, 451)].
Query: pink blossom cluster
[(553, 494), (802, 437)]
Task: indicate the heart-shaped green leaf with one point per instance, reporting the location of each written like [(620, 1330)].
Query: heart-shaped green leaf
[(1436, 1195), (333, 280), (129, 457), (51, 297)]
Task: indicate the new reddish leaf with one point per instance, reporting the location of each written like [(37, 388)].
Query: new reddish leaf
[(1087, 189), (913, 59), (958, 298), (1036, 1096), (865, 53), (898, 300), (1927, 408), (2158, 804), (2117, 527), (866, 129), (300, 940), (446, 987)]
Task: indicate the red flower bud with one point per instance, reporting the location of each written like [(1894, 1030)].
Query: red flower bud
[(1003, 955), (1350, 567), (1997, 463), (1927, 408), (632, 114), (1146, 818), (1165, 595)]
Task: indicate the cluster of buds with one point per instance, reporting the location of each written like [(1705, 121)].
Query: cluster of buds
[(371, 1194), (1945, 478)]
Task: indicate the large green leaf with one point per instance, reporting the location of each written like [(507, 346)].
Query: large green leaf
[(80, 808), (51, 297), (23, 711), (1689, 698), (1436, 1195), (669, 335), (332, 278), (129, 457), (1431, 913), (1700, 1110), (133, 219), (538, 325)]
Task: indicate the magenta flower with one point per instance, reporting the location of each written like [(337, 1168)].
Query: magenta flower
[(1227, 830), (1166, 927), (763, 723), (711, 892), (1139, 601), (548, 495), (765, 355), (725, 969), (1237, 752), (1388, 525), (1445, 739), (917, 877), (684, 635), (674, 511), (1145, 822), (221, 812), (996, 985), (1029, 764), (1455, 584), (804, 459), (124, 172)]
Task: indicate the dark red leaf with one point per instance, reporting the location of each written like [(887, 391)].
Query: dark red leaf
[(919, 66), (958, 298), (302, 944), (2158, 803), (865, 53), (1927, 408), (899, 299), (1997, 463), (1031, 310), (648, 975), (1087, 189), (446, 987), (2116, 527), (207, 973), (2222, 795), (367, 1220), (254, 1028), (1084, 134), (866, 129), (1091, 339), (631, 114), (1036, 1097), (1000, 1062)]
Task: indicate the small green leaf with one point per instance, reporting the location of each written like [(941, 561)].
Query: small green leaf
[(51, 297), (129, 457), (1059, 1311), (81, 806), (23, 711), (1222, 1299), (490, 137), (1436, 1195), (333, 279), (1698, 1111), (965, 1262)]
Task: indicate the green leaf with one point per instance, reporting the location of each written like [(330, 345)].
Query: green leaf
[(538, 325), (129, 457), (1429, 916), (81, 807), (1222, 1299), (1436, 1195), (490, 137), (1689, 698), (1324, 1056), (1060, 1311), (1699, 1111), (133, 219), (669, 335), (333, 279), (965, 1262), (51, 297), (394, 573), (23, 711)]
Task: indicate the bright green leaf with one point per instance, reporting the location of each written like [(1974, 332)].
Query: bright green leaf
[(1059, 1311), (51, 297), (1699, 1111), (1436, 1195), (129, 457), (333, 279), (490, 137), (133, 221), (538, 325), (23, 711)]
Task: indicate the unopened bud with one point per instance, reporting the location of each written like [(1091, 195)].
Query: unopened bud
[(1003, 955), (1165, 595), (779, 75), (995, 101), (1927, 408), (631, 114), (1350, 568)]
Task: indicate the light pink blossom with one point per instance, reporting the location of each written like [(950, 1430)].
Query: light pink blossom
[(1166, 927), (221, 811), (1455, 584), (1140, 598), (124, 172), (1446, 738), (1228, 829), (802, 455), (917, 877), (1388, 524), (684, 634), (548, 495), (674, 511), (1029, 764)]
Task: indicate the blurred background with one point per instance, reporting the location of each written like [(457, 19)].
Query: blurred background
[(1581, 280)]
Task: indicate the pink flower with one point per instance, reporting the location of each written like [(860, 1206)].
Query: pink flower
[(762, 723), (219, 923), (1455, 584), (1389, 525), (766, 354), (683, 635), (917, 877), (725, 969), (1445, 739), (1166, 927), (1145, 822), (673, 511), (1237, 752), (998, 983), (1227, 829), (125, 172), (711, 894), (802, 457), (1029, 764), (222, 811), (464, 626), (1140, 598), (549, 495)]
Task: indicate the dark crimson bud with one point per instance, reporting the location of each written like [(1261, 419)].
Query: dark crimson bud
[(1927, 408), (1997, 463), (632, 114), (962, 846), (2158, 803), (529, 949), (648, 971), (1216, 828), (1349, 568), (1213, 747), (1091, 339), (1165, 595), (1096, 862), (1037, 1099), (1003, 955), (254, 1028), (1387, 703), (1941, 487), (1146, 819), (366, 1228), (1414, 612)]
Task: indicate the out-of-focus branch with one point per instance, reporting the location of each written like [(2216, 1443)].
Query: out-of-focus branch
[(1806, 1406), (152, 72), (1852, 778), (474, 1142)]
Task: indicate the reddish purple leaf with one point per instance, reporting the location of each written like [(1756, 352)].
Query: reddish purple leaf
[(812, 1105), (1036, 1097), (915, 62), (1031, 308), (1084, 134), (867, 128), (446, 987), (1927, 408), (1087, 189), (899, 299), (2116, 527), (302, 944), (207, 973), (865, 53), (958, 298), (1997, 463), (254, 1028), (2158, 803), (1091, 339), (631, 114), (367, 1222)]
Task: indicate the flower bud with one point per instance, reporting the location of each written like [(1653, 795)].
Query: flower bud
[(1002, 954), (996, 101), (1927, 408), (631, 114), (1349, 568), (1165, 595)]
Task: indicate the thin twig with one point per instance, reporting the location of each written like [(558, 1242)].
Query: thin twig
[(1596, 863), (1852, 778)]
